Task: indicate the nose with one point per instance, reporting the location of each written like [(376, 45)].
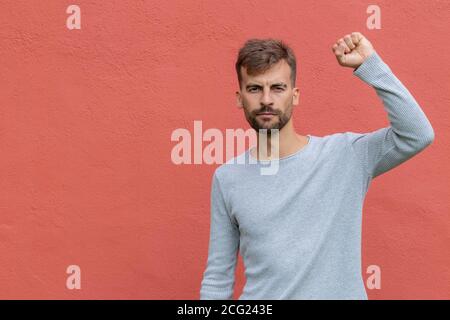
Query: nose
[(266, 99)]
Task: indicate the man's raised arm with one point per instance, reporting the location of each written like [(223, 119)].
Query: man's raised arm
[(409, 132)]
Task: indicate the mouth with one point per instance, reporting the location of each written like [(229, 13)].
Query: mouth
[(266, 115)]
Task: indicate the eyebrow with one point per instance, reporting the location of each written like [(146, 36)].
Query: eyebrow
[(280, 84)]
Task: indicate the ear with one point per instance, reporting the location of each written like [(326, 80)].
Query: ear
[(296, 96), (239, 100)]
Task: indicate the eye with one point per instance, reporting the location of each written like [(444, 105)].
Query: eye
[(279, 89), (252, 89)]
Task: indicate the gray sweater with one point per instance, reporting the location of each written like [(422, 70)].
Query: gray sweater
[(299, 230)]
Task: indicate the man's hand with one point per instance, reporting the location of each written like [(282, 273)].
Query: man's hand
[(352, 50)]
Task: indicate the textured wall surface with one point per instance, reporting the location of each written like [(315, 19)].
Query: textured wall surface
[(86, 116)]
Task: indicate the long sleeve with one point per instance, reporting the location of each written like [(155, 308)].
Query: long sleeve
[(218, 278), (409, 131)]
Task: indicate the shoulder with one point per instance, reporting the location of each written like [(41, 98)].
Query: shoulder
[(231, 168), (340, 144), (338, 139)]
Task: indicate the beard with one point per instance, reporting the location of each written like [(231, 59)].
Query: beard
[(277, 121)]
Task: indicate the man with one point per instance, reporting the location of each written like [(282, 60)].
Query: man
[(299, 230)]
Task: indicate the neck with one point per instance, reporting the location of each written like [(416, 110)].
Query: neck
[(288, 142)]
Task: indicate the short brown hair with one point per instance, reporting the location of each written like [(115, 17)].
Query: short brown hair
[(258, 55)]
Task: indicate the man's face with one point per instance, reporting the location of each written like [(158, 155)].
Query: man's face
[(270, 92)]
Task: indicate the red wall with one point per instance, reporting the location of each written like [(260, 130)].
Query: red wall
[(86, 116)]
